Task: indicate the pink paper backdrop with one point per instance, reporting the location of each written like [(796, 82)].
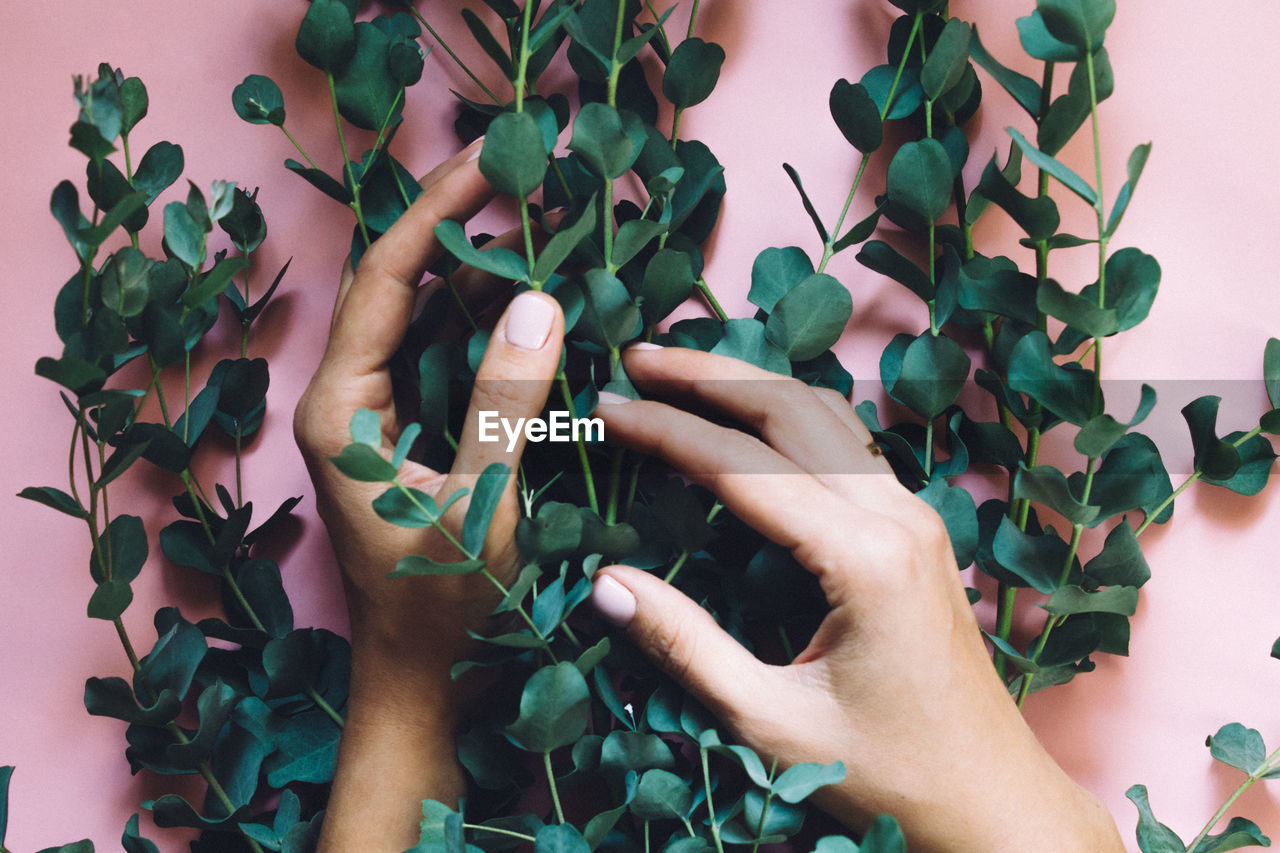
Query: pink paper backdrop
[(1193, 80)]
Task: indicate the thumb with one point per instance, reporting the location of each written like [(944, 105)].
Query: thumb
[(682, 639)]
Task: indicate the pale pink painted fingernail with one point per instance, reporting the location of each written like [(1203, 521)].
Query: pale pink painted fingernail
[(613, 601), (644, 345), (608, 398), (479, 146), (529, 321)]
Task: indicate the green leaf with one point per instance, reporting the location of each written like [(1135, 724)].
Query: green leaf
[(956, 507), (1271, 371), (1217, 459), (1133, 277), (368, 96), (1256, 460), (501, 262), (947, 60), (1036, 215), (114, 218), (668, 281), (366, 428), (799, 781), (1137, 161), (363, 463), (1046, 485), (513, 159), (321, 180), (632, 237), (808, 205), (414, 565), (933, 372), (554, 708), (810, 317), (610, 317), (71, 372), (1035, 559), (215, 281), (215, 705), (258, 100), (414, 510), (1239, 833), (54, 499), (327, 37), (488, 491), (1153, 836), (879, 256), (484, 38), (1073, 599), (1100, 433), (859, 231), (560, 838), (1079, 23), (1057, 169), (1120, 562), (1021, 88), (661, 795), (6, 773), (562, 244), (608, 141), (1039, 44), (158, 169), (184, 237), (857, 115), (1238, 747), (133, 103), (1075, 310), (1065, 391), (919, 179), (746, 340), (775, 271), (692, 72)]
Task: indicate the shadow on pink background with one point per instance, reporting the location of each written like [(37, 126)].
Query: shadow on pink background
[(1192, 80)]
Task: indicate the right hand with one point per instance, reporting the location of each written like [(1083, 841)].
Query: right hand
[(896, 682)]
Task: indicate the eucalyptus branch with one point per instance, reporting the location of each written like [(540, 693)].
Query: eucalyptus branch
[(1269, 765), (440, 41), (346, 161)]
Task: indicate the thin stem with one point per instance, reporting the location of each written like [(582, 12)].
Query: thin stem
[(711, 806), (615, 484), (828, 250), (315, 697), (928, 448), (712, 302), (496, 831), (522, 69), (346, 163), (1266, 767), (1186, 484), (301, 150), (527, 227), (587, 476), (435, 35), (239, 474), (551, 783)]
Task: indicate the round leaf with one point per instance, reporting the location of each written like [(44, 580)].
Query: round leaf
[(513, 159), (258, 101), (810, 317), (554, 707), (920, 179), (856, 115), (692, 73)]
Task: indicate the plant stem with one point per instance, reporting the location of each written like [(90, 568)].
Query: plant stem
[(615, 484), (301, 150), (551, 783), (1269, 764), (711, 807), (435, 35), (1186, 484), (828, 250), (346, 162), (587, 477), (712, 302), (315, 697), (496, 831)]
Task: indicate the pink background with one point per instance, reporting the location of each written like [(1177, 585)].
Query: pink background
[(1193, 80)]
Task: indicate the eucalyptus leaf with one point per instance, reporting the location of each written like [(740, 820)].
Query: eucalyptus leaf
[(554, 706)]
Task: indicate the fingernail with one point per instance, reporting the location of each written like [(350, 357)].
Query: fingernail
[(529, 321), (608, 398), (644, 345), (479, 146), (613, 601)]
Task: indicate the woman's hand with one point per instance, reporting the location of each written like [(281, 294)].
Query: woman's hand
[(896, 682), (397, 748)]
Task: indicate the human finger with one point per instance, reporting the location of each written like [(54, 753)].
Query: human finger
[(789, 416), (376, 308), (511, 385), (681, 638), (758, 484)]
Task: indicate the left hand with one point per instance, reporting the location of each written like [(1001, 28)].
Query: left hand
[(397, 748)]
